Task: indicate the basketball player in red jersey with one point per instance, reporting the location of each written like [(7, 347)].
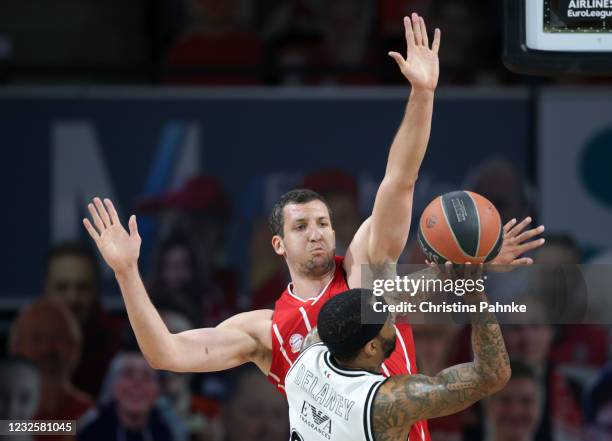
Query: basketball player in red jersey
[(304, 237)]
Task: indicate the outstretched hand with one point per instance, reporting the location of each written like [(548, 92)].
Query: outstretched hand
[(421, 66), (517, 242), (119, 248)]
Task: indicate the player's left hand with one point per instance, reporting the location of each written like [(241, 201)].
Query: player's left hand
[(421, 65), (516, 242)]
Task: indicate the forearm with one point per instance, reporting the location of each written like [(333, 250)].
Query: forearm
[(410, 142), (491, 360), (152, 335)]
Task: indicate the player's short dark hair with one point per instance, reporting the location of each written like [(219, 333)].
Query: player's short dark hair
[(599, 394), (341, 327), (73, 248), (299, 196)]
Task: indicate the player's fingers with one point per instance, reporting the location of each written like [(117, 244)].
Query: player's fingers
[(424, 32), (520, 227), (91, 230), (523, 261), (409, 33), (96, 218), (112, 212), (436, 41), (522, 249), (133, 226), (526, 235), (398, 59), (509, 225), (102, 212), (418, 38)]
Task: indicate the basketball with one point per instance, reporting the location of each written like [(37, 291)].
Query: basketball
[(460, 227)]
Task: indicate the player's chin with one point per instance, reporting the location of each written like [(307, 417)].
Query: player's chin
[(319, 264)]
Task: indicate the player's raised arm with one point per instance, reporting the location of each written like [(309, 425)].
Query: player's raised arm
[(384, 235), (239, 339), (403, 400)]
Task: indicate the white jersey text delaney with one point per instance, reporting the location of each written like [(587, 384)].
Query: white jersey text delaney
[(327, 402)]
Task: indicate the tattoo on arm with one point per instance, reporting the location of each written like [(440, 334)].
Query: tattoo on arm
[(403, 400)]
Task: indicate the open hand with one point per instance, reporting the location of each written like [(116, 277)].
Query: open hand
[(119, 248), (516, 242), (421, 66)]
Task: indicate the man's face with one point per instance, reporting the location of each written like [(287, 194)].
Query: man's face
[(45, 338), (19, 392), (514, 411), (601, 429), (531, 343), (136, 387), (256, 412), (71, 279), (176, 269), (309, 241)]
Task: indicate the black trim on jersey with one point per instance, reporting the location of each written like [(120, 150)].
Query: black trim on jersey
[(343, 371), (368, 409), (371, 413), (319, 343)]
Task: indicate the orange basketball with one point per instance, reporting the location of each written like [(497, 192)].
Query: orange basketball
[(460, 227)]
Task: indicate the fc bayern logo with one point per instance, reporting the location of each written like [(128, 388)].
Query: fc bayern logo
[(295, 341)]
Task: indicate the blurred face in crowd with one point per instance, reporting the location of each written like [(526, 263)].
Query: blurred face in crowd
[(71, 279), (432, 343), (514, 411), (256, 412), (49, 336), (177, 267), (19, 391), (309, 242), (500, 183), (529, 343), (531, 338), (601, 429), (136, 386)]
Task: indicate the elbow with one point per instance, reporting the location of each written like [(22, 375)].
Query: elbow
[(401, 181), (498, 379), (156, 363)]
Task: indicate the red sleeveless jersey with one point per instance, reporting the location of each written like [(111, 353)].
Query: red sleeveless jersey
[(293, 318)]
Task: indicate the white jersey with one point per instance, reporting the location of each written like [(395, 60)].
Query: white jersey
[(327, 402)]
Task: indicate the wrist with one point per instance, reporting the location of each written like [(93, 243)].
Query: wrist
[(421, 91), (126, 272)]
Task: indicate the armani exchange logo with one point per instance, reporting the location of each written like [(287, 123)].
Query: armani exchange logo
[(316, 419)]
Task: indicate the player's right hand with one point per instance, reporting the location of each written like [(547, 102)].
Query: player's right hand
[(119, 248)]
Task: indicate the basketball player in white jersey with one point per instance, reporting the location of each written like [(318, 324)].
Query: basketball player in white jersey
[(335, 391)]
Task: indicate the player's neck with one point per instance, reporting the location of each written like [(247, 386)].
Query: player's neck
[(307, 286)]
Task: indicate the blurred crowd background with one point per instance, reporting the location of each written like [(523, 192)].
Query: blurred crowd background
[(243, 42), (68, 351)]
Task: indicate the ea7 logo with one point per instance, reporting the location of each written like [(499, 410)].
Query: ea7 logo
[(311, 413)]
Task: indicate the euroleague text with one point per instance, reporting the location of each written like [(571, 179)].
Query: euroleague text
[(412, 286)]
